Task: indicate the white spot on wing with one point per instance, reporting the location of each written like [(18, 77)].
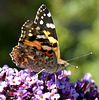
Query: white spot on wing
[(30, 34), (21, 28), (44, 9), (44, 14), (30, 31), (42, 17), (49, 14), (41, 22), (23, 24), (27, 20), (32, 28), (50, 25), (40, 10), (37, 28), (41, 36), (22, 31)]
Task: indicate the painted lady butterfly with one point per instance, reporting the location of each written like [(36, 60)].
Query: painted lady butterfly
[(38, 46)]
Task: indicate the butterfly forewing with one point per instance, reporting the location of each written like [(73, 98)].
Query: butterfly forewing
[(44, 20)]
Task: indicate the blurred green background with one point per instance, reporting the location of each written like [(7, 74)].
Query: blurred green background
[(76, 24)]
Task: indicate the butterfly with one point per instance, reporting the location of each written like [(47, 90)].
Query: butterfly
[(38, 46)]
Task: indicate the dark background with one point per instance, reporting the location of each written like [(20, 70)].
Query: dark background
[(76, 24)]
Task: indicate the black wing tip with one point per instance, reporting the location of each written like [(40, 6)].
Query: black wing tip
[(43, 5)]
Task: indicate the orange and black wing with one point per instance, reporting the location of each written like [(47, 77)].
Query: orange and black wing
[(44, 21)]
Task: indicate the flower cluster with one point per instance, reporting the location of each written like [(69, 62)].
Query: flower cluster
[(25, 85)]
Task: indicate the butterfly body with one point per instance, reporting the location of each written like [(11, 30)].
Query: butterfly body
[(38, 46)]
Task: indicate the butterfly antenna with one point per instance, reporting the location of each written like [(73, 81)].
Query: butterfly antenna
[(79, 57), (73, 65)]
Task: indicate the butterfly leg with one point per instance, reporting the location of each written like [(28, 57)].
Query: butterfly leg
[(40, 71), (56, 81)]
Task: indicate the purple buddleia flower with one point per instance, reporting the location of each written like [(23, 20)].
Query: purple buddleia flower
[(86, 88), (2, 97), (25, 85), (50, 85)]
